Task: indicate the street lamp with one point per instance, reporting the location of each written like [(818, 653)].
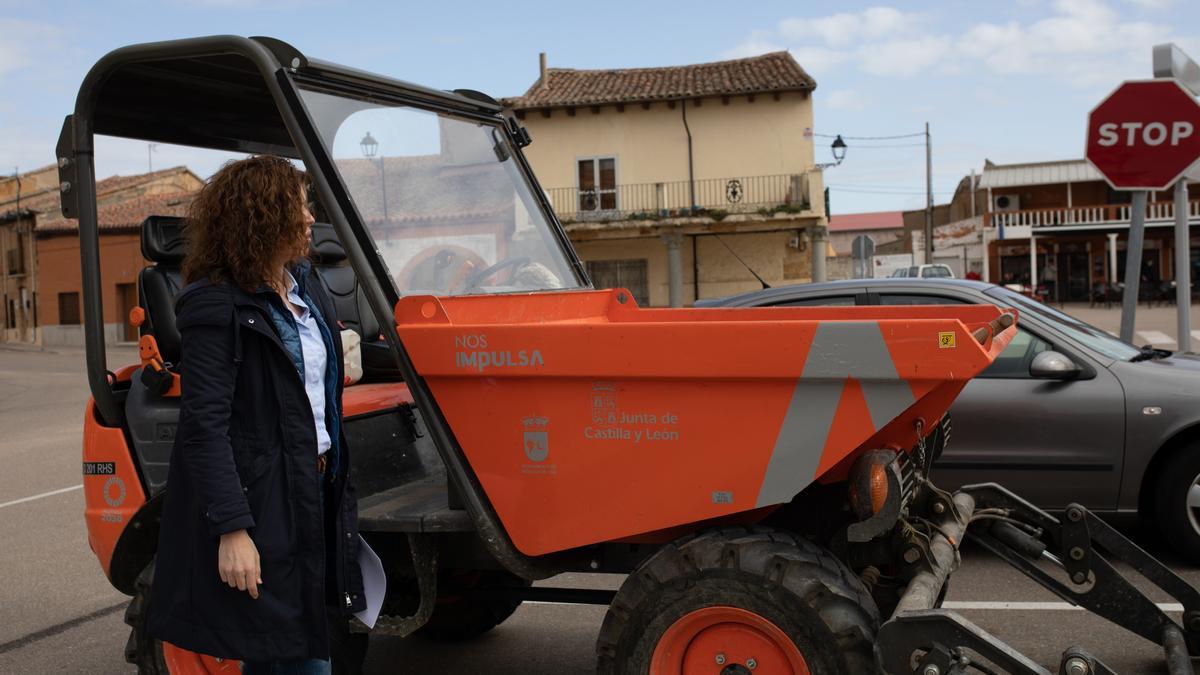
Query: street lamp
[(838, 148), (370, 147)]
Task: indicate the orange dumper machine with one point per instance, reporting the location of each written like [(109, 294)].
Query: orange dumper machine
[(762, 476)]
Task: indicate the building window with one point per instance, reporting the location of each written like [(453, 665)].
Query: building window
[(627, 274), (597, 184), (68, 309)]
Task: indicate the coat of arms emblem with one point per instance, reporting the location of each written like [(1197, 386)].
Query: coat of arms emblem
[(537, 440)]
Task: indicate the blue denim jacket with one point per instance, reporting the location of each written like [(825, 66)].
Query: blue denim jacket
[(289, 334)]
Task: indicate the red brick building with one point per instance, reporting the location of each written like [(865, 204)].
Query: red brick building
[(52, 264)]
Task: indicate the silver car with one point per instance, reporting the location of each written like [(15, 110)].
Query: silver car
[(1067, 413)]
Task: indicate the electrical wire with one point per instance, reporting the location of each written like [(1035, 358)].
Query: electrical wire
[(873, 138), (884, 147), (900, 193)]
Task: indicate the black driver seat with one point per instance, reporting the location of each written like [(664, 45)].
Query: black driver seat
[(164, 244), (340, 283)]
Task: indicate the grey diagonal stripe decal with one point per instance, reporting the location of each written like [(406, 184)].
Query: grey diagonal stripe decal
[(839, 350)]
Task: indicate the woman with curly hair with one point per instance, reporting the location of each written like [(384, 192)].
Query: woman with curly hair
[(259, 527)]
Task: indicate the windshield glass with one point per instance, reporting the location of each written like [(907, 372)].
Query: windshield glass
[(1091, 337), (447, 206)]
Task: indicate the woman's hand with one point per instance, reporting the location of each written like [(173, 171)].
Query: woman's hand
[(237, 561)]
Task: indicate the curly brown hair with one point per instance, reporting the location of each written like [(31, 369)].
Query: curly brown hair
[(248, 216)]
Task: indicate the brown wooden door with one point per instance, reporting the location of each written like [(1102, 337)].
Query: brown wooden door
[(127, 299)]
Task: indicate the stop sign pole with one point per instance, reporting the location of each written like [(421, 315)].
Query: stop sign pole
[(1145, 136)]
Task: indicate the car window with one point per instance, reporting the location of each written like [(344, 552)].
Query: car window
[(913, 272), (900, 272), (917, 299), (820, 301), (936, 272), (1014, 361)]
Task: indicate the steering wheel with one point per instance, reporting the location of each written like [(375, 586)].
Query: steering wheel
[(472, 282)]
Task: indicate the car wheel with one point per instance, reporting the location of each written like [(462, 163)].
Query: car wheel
[(1177, 502)]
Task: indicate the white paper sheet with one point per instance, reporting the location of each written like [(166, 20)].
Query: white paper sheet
[(374, 583)]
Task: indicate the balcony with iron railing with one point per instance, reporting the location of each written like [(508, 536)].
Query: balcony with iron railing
[(1085, 217), (713, 197)]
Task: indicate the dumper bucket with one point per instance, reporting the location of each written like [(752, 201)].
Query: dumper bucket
[(588, 419)]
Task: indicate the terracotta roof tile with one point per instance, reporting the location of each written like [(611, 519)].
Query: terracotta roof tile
[(773, 72), (47, 200), (125, 216)]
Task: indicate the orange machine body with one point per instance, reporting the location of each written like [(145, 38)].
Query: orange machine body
[(112, 490), (588, 419)]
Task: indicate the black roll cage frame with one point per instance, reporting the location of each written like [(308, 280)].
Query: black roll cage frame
[(279, 68)]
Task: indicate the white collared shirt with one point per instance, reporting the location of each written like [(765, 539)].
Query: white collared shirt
[(312, 349)]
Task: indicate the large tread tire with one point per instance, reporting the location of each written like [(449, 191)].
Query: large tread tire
[(463, 614), (802, 588), (141, 649), (1175, 479)]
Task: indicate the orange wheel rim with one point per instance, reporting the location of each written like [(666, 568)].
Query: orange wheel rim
[(182, 662), (726, 640)]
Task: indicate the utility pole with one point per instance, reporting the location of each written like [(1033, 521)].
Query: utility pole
[(150, 157), (928, 198)]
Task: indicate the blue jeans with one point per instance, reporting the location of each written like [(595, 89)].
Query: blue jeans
[(302, 667)]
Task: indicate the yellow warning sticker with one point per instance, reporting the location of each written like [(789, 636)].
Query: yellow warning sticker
[(946, 340)]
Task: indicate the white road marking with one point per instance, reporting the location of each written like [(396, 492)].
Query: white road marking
[(44, 494), (1036, 606), (1155, 337)]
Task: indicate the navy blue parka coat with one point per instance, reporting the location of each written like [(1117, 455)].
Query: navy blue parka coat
[(245, 457)]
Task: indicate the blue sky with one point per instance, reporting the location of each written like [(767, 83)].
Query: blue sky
[(1009, 80)]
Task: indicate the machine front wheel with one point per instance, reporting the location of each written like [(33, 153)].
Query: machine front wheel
[(737, 600)]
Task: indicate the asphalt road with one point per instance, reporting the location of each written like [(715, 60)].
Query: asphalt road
[(61, 616)]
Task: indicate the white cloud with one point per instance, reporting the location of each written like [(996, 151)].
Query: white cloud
[(1081, 42), (23, 41), (1154, 5), (757, 43), (905, 57), (844, 99), (818, 60), (844, 30)]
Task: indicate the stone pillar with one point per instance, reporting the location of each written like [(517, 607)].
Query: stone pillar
[(1033, 270), (817, 235), (1112, 257), (674, 269)]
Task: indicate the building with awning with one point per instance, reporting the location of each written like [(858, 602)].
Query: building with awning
[(1060, 226)]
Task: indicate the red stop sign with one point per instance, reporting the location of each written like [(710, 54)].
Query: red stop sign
[(1145, 135)]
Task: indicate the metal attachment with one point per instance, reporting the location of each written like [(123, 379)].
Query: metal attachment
[(1079, 578), (64, 186), (939, 508), (720, 659), (931, 670), (1076, 553), (1076, 666), (751, 664), (1192, 621), (64, 162), (1074, 515), (911, 555), (594, 565)]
